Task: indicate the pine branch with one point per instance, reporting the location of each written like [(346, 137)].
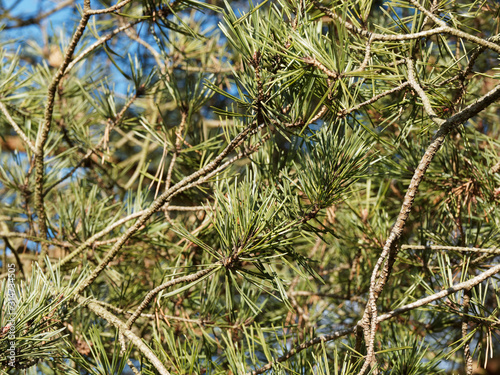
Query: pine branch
[(113, 320), (387, 258)]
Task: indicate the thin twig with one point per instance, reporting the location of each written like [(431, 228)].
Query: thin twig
[(389, 315), (423, 96), (132, 366), (495, 168), (320, 114), (34, 238), (161, 200), (240, 155), (345, 112), (132, 34), (306, 293), (135, 215), (314, 62), (366, 60), (150, 316), (183, 279), (189, 208), (463, 74), (16, 255), (428, 13), (98, 235), (99, 42), (494, 250), (389, 252), (17, 128), (109, 127), (45, 128), (41, 16), (137, 341), (465, 328), (401, 37), (178, 141), (110, 9)]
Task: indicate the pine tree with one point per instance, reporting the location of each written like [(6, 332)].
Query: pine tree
[(294, 186)]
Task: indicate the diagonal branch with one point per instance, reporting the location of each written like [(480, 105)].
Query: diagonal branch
[(152, 293), (427, 13), (345, 112), (423, 96), (494, 250), (465, 328), (389, 315), (99, 42), (120, 5), (17, 128), (135, 215), (401, 37), (35, 20), (112, 319), (161, 200), (43, 132), (379, 277)]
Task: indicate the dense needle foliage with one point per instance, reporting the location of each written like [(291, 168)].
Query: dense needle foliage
[(290, 187)]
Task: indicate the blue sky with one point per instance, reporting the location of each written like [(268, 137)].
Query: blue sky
[(30, 8)]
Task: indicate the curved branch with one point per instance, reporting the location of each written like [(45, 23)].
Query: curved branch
[(389, 252), (44, 131), (161, 200), (112, 319), (41, 16), (423, 96), (401, 37), (183, 279), (98, 235), (135, 215), (494, 250), (345, 112), (389, 315), (110, 9), (99, 42), (17, 128)]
